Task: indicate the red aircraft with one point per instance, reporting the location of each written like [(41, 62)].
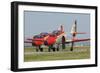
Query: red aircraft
[(38, 40), (54, 39)]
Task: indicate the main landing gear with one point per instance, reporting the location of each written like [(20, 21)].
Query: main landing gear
[(52, 48), (39, 48)]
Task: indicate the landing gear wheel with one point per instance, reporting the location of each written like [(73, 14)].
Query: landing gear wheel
[(53, 49), (71, 49), (72, 46), (41, 49), (57, 49)]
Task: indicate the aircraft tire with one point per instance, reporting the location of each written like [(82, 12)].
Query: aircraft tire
[(41, 49), (71, 49), (57, 49), (53, 49)]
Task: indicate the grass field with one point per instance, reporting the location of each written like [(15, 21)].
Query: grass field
[(30, 54)]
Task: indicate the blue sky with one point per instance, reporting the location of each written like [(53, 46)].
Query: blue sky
[(36, 22)]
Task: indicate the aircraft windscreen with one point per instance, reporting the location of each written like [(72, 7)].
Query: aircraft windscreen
[(56, 32), (44, 33), (38, 36)]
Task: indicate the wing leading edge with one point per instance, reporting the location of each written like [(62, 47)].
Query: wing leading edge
[(77, 40)]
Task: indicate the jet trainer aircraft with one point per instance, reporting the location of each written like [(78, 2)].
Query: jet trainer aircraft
[(56, 39), (38, 40)]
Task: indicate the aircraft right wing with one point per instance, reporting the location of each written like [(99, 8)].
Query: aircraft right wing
[(77, 40)]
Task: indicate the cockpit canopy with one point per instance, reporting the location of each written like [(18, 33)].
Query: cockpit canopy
[(38, 36), (41, 35), (57, 32), (44, 33)]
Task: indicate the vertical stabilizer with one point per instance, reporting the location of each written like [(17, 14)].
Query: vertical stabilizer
[(74, 27)]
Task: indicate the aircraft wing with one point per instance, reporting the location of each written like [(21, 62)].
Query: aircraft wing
[(31, 40), (77, 40), (35, 39), (27, 41)]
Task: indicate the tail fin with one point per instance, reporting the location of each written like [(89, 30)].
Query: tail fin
[(74, 29)]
